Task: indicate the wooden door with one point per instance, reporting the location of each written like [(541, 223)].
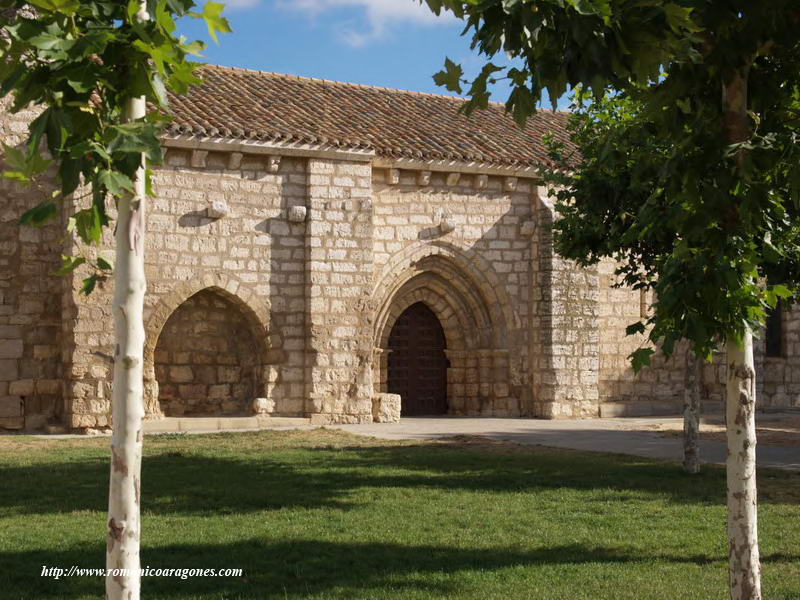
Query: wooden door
[(417, 362)]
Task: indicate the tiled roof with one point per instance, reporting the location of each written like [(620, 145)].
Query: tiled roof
[(241, 104)]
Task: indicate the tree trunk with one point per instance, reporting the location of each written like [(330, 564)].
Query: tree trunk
[(745, 568), (691, 413), (124, 524), (743, 555)]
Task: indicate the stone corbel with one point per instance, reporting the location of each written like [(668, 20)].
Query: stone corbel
[(481, 182), (273, 164), (218, 209), (447, 225), (198, 159), (452, 179), (297, 214), (510, 184), (393, 176), (424, 178)]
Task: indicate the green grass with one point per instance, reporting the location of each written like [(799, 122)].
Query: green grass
[(323, 514)]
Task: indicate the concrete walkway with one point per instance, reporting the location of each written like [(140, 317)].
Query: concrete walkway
[(596, 435)]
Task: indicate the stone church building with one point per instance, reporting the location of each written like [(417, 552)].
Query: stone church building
[(315, 247)]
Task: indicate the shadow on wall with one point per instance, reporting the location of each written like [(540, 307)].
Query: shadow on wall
[(206, 359), (472, 269)]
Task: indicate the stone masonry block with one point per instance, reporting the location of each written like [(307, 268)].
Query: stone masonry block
[(11, 348), (386, 408)]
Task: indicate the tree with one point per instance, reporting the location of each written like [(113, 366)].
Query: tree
[(611, 134), (93, 67), (718, 80)]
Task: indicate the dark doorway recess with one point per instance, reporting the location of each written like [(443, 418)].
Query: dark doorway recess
[(417, 362)]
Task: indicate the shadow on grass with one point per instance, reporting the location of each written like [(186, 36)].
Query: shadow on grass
[(303, 567), (199, 482)]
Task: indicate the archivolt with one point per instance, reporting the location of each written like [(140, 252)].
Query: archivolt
[(455, 285), (229, 287)]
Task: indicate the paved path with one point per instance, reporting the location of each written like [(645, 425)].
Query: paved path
[(597, 435)]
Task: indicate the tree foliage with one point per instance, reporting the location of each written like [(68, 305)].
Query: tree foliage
[(656, 183), (678, 213), (561, 44), (81, 62)]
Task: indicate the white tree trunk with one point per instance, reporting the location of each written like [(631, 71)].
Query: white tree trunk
[(691, 413), (745, 567), (124, 525)]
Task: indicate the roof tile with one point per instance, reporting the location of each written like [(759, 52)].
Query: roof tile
[(245, 104)]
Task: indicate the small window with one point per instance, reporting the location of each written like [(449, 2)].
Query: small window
[(774, 332)]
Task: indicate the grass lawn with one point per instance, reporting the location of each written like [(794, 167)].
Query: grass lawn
[(323, 514)]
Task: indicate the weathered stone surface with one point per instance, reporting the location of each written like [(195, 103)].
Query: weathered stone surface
[(217, 209), (11, 348), (386, 408), (11, 406), (263, 406), (286, 305), (297, 214)]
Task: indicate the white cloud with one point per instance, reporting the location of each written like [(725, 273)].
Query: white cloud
[(241, 4), (380, 15)]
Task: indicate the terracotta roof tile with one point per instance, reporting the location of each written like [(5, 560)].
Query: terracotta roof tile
[(243, 104)]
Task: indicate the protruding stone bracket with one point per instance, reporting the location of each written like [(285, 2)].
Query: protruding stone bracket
[(510, 184), (424, 178), (297, 214), (481, 182), (273, 164), (198, 159), (234, 160), (218, 209), (393, 176), (366, 205), (447, 225), (453, 178)]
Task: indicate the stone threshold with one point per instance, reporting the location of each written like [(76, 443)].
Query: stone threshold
[(195, 424)]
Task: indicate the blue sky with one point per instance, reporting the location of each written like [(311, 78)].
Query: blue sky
[(391, 43)]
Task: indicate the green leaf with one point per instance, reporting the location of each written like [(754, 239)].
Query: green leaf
[(212, 14), (781, 291), (89, 225), (67, 7), (450, 77), (115, 182), (103, 264), (40, 214), (635, 328), (69, 264), (90, 283)]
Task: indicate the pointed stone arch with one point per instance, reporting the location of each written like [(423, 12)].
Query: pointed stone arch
[(475, 313), (268, 343)]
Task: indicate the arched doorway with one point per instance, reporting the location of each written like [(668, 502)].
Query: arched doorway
[(206, 359), (417, 362)]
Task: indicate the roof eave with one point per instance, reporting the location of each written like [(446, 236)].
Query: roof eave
[(334, 152)]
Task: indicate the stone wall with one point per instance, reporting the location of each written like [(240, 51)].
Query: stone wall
[(254, 256), (339, 265), (458, 242), (564, 328), (781, 374), (656, 389), (30, 302), (205, 359), (294, 269)]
